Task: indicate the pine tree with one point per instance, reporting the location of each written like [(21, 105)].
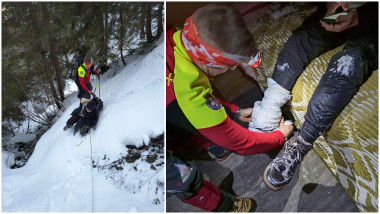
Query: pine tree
[(40, 40), (159, 19)]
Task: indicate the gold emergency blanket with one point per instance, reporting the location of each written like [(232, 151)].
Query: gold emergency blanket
[(350, 149)]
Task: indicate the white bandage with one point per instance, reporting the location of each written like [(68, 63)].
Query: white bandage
[(266, 114)]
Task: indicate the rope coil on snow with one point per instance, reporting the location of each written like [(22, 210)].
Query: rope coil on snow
[(85, 136)]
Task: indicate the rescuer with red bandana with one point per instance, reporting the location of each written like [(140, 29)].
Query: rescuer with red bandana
[(84, 73), (209, 45)]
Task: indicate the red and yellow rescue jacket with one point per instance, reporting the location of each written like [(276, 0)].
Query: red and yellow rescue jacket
[(84, 75), (190, 88)]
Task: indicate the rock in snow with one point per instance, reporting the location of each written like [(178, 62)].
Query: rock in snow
[(58, 176)]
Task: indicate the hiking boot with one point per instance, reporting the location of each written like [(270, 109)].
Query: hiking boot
[(231, 203), (218, 153), (67, 127), (280, 171), (243, 205)]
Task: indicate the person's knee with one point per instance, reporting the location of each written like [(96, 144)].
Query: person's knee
[(289, 62), (182, 177), (192, 185), (79, 124), (347, 67)]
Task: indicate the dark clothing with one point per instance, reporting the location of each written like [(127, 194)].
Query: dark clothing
[(347, 70), (91, 105), (85, 120), (82, 93), (182, 176), (186, 181)]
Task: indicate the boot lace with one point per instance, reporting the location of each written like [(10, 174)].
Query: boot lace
[(291, 156)]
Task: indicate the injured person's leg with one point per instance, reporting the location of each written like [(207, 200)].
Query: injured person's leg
[(266, 114), (346, 72)]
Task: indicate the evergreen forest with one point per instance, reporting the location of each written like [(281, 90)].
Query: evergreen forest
[(41, 40)]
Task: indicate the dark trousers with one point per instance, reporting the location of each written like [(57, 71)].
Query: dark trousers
[(347, 70), (73, 119), (83, 93), (80, 124)]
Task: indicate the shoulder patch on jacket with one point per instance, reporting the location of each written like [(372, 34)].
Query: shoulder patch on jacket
[(212, 103), (81, 72), (193, 91)]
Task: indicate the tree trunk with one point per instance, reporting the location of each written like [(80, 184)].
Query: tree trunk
[(49, 77), (53, 53), (122, 35), (142, 20), (10, 127), (106, 35), (40, 49), (67, 61), (159, 20), (148, 22), (103, 43)]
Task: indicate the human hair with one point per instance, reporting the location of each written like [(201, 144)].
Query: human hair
[(222, 27), (88, 60)]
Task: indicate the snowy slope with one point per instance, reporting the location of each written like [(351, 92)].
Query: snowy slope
[(58, 176)]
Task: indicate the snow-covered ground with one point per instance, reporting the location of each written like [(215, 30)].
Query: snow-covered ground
[(58, 176)]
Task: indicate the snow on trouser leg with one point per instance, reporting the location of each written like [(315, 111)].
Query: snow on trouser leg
[(266, 114), (346, 72), (306, 42)]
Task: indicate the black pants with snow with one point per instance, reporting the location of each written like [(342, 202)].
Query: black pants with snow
[(347, 70)]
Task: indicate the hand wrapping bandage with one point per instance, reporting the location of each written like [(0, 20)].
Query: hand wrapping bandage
[(266, 114)]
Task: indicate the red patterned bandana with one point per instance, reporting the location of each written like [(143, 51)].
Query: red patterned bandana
[(203, 53)]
